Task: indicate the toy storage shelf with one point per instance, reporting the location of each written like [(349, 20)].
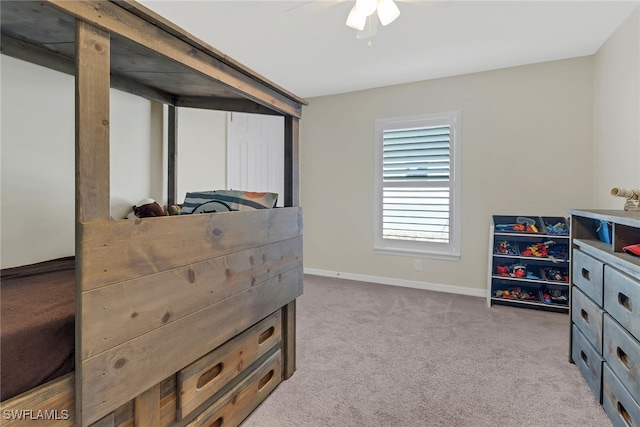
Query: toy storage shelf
[(529, 262)]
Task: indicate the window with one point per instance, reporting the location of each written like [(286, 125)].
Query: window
[(418, 186)]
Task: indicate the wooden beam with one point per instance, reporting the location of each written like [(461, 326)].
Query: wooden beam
[(172, 156), (37, 55), (92, 159), (224, 104), (168, 26), (291, 161), (289, 339), (46, 58), (117, 20), (147, 408)]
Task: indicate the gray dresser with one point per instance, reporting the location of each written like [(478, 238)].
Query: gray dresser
[(605, 309)]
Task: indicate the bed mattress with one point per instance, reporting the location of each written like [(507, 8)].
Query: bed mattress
[(37, 315)]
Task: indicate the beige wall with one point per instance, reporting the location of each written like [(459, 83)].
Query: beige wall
[(526, 149), (617, 114)]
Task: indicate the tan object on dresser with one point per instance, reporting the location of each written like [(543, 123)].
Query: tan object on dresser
[(605, 310)]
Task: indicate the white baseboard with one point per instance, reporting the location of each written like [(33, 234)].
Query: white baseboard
[(460, 290)]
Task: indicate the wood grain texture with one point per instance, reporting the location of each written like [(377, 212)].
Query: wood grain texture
[(147, 407), (224, 104), (237, 404), (55, 399), (205, 377), (92, 159), (115, 19), (172, 156), (118, 313), (289, 339), (127, 249), (111, 378), (291, 161), (92, 123)]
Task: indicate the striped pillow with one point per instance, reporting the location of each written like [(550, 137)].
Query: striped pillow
[(227, 200)]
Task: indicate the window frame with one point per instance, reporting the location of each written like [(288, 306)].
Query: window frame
[(445, 251)]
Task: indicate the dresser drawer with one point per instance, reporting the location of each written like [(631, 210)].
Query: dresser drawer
[(587, 316), (588, 361), (208, 375), (622, 299), (621, 408), (622, 353), (587, 274)]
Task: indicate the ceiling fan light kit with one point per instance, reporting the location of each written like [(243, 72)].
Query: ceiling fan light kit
[(387, 12)]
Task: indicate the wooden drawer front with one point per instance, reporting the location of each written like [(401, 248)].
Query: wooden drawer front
[(588, 361), (622, 353), (622, 299), (621, 408), (232, 408), (587, 275), (205, 377), (587, 316)]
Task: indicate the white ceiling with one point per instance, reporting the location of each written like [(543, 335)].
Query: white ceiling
[(305, 47)]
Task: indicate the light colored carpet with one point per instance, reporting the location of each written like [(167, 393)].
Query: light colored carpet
[(375, 355)]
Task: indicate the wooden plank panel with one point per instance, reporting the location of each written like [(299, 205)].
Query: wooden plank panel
[(117, 20), (231, 409), (112, 378), (118, 313), (55, 399), (205, 377), (127, 249)]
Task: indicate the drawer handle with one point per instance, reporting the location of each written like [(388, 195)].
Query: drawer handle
[(584, 358), (265, 335), (584, 315), (624, 301), (585, 273), (265, 380), (624, 414), (209, 376), (622, 356)]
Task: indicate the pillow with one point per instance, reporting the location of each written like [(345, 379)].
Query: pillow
[(227, 200)]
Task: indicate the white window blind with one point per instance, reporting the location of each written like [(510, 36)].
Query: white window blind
[(417, 185)]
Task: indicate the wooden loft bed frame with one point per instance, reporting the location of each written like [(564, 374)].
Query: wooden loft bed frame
[(212, 328)]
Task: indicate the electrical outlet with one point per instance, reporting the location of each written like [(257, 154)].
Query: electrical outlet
[(417, 264)]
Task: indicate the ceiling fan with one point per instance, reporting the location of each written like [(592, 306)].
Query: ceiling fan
[(387, 13), (363, 17)]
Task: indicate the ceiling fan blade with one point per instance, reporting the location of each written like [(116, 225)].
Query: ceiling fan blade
[(314, 5)]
